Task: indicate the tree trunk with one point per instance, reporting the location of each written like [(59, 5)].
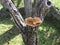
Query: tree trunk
[(29, 33), (28, 7), (29, 36), (17, 18)]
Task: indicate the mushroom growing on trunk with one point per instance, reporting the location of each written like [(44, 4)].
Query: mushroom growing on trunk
[(33, 22)]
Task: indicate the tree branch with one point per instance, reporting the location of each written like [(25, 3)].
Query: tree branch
[(28, 7), (17, 18), (41, 7)]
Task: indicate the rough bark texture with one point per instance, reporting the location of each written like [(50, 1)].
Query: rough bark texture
[(17, 18), (38, 10), (29, 34), (28, 7)]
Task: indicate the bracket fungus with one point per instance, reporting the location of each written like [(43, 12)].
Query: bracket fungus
[(33, 22)]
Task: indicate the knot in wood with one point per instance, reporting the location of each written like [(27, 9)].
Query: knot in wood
[(33, 22)]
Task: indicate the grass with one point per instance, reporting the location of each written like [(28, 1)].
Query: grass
[(49, 33), (8, 34), (1, 6), (56, 3)]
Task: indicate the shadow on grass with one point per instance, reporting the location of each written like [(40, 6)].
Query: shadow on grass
[(11, 33), (8, 35), (50, 34), (5, 13)]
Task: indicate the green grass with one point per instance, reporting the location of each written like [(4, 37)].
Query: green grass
[(5, 25), (8, 33), (56, 3), (1, 6), (48, 33), (21, 3)]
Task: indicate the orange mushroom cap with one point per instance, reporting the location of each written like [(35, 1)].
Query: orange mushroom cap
[(33, 22)]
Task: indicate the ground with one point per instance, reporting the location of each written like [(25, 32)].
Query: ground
[(49, 31), (8, 33)]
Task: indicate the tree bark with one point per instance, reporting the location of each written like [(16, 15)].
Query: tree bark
[(29, 33), (30, 36), (17, 18), (39, 10), (28, 7)]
